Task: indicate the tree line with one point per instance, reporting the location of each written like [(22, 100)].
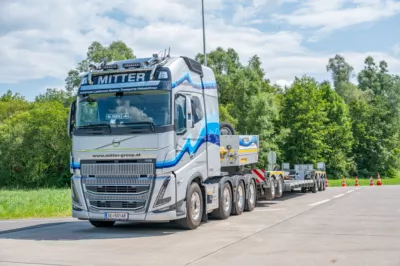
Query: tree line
[(353, 128)]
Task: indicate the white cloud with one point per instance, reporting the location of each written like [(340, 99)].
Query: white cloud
[(335, 14), (396, 49), (49, 38)]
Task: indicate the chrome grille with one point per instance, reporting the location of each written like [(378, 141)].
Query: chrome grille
[(110, 193), (118, 189), (118, 204), (117, 169)]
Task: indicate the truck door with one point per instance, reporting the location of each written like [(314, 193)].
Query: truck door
[(183, 122)]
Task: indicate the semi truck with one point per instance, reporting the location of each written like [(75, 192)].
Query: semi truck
[(148, 146)]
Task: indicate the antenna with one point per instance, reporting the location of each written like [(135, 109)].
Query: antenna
[(165, 53), (169, 51)]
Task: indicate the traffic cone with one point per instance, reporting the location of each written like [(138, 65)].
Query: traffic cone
[(356, 182), (343, 182), (371, 181), (379, 182)]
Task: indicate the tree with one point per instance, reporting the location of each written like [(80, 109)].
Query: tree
[(11, 104), (341, 70), (98, 53), (304, 114), (55, 95), (338, 137)]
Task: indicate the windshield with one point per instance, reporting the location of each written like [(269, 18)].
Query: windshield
[(123, 109)]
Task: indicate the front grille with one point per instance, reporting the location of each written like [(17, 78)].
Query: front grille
[(118, 189), (117, 169), (118, 204)]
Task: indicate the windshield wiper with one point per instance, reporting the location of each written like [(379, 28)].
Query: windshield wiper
[(97, 125), (151, 124)]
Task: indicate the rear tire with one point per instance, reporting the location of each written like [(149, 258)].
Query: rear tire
[(323, 185), (238, 206), (320, 184), (226, 129), (225, 203), (194, 209), (279, 190), (270, 192), (251, 200), (315, 187), (102, 223)]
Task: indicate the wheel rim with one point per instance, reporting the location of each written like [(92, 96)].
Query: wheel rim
[(225, 131), (280, 187), (227, 200), (252, 194), (195, 206), (241, 197)]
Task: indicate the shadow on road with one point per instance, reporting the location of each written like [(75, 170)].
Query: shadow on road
[(83, 230), (286, 196)]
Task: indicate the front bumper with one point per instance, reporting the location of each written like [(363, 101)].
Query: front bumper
[(92, 198)]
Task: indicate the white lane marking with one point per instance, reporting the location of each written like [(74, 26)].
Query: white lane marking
[(350, 191), (338, 196), (319, 202), (268, 210)]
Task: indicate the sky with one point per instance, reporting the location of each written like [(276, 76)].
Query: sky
[(41, 40)]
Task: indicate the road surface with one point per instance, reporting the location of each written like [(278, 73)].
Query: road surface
[(341, 226)]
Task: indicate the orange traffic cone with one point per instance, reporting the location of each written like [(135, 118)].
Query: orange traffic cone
[(371, 181), (356, 182), (379, 182), (343, 182)]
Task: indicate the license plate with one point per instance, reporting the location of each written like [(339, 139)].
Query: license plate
[(116, 216)]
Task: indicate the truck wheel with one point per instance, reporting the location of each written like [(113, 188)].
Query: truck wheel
[(251, 201), (279, 191), (320, 188), (194, 207), (225, 203), (303, 190), (270, 192), (102, 223), (226, 129), (323, 185), (238, 206), (315, 187)]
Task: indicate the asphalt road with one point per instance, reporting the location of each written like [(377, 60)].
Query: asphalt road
[(340, 226)]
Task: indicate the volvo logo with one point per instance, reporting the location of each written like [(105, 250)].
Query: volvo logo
[(116, 143)]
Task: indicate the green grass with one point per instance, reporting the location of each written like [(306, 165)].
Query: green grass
[(42, 203), (363, 182)]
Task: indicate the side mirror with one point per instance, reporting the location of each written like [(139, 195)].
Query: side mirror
[(71, 119)]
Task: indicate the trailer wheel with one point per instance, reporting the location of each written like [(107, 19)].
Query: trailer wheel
[(251, 200), (226, 129), (238, 206), (102, 223), (314, 189), (323, 184), (320, 187), (270, 192), (194, 207), (225, 203), (279, 191)]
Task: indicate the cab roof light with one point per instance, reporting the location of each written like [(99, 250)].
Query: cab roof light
[(129, 65), (113, 66)]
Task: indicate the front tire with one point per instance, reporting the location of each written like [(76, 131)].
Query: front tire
[(102, 223), (194, 207)]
